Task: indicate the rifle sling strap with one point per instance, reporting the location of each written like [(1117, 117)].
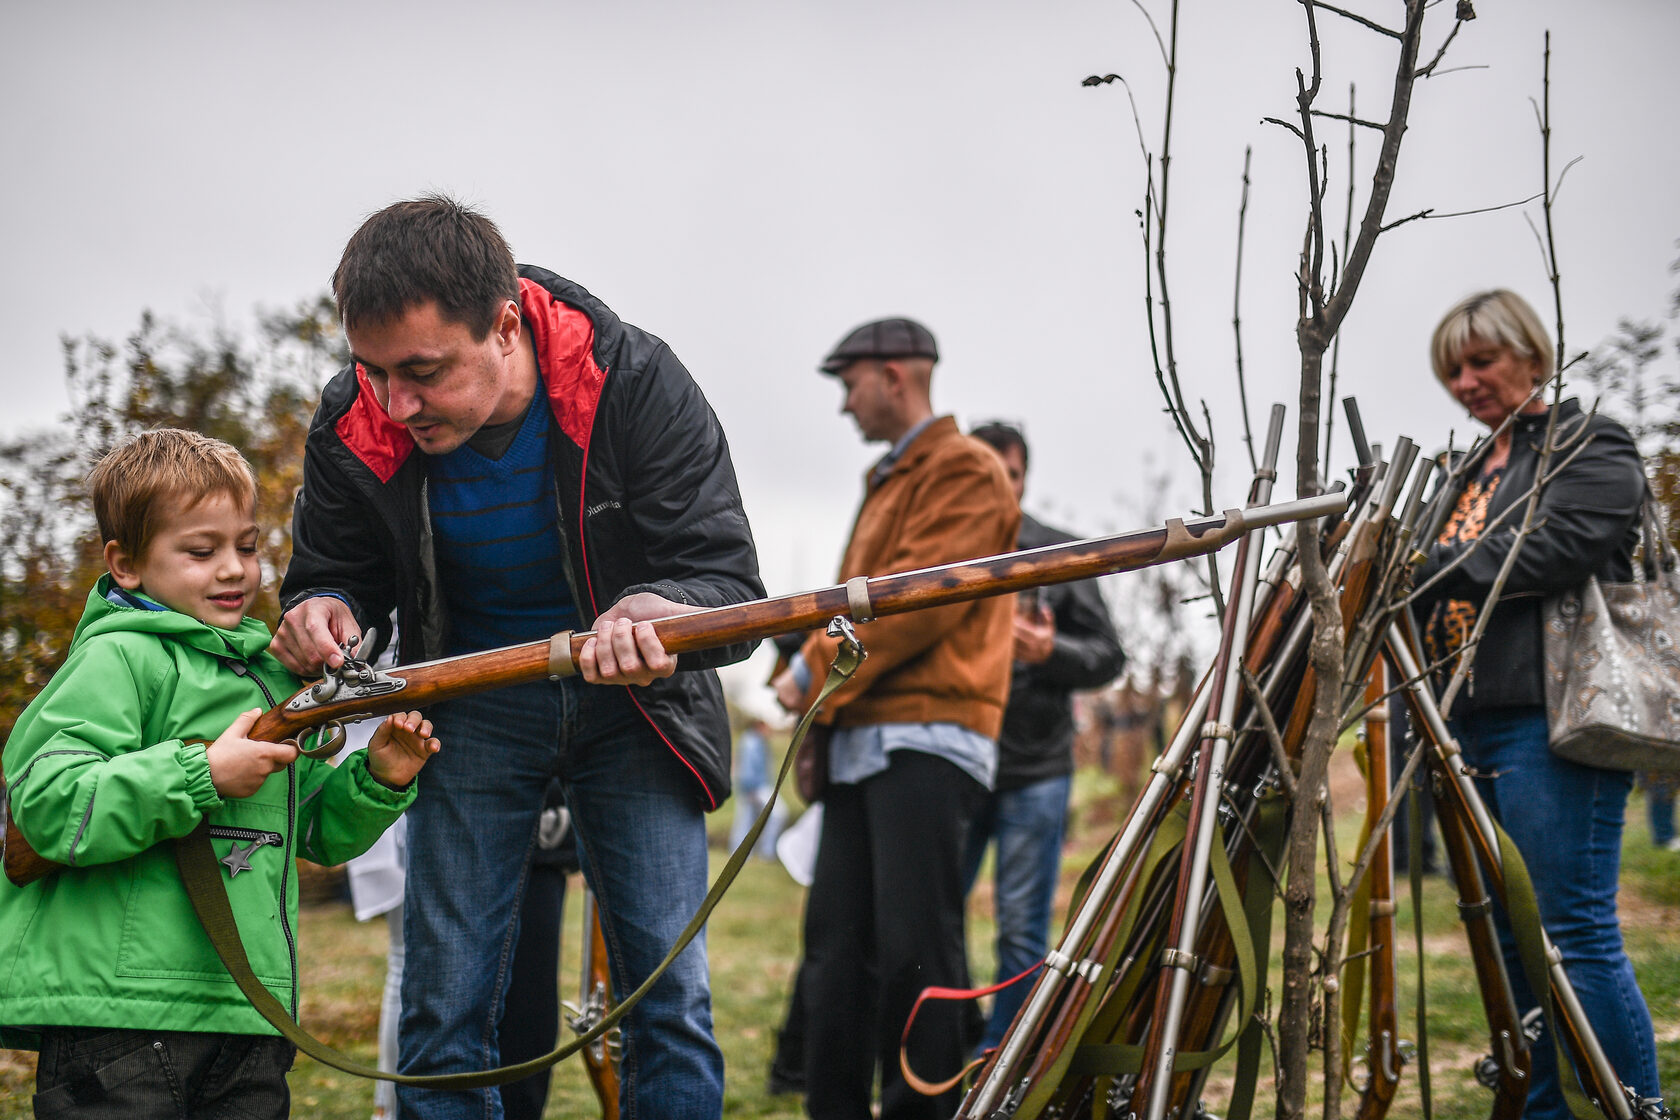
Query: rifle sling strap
[(201, 874)]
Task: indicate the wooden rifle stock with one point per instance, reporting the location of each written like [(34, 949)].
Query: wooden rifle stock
[(1457, 809), (1044, 1025), (1383, 1031), (1508, 1045), (343, 699)]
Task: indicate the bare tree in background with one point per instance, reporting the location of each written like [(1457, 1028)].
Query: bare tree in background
[(258, 397), (1328, 278)]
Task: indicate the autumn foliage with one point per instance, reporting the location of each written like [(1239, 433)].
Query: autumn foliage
[(258, 396)]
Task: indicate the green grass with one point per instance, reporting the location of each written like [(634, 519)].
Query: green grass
[(754, 939)]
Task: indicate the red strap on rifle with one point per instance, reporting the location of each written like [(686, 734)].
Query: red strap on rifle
[(928, 1089)]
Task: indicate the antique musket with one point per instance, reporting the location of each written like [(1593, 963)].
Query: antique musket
[(1358, 547), (1047, 1022), (595, 1000), (1382, 1051), (1180, 961), (1467, 819), (358, 691), (1034, 1047)]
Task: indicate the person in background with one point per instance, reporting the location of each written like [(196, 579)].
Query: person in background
[(752, 791), (1659, 808), (1492, 354), (504, 458), (1063, 640), (913, 748)]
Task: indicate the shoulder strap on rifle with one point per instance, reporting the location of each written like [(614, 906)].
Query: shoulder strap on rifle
[(201, 874)]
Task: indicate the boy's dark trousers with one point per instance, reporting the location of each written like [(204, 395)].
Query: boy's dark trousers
[(100, 1074)]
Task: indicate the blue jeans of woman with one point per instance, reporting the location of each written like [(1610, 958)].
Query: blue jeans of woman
[(642, 842), (1028, 824), (1566, 820)]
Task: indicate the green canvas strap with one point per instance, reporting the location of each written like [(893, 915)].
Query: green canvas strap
[(1164, 842), (1249, 917), (1414, 875), (1522, 909), (1358, 932), (1117, 1057), (1245, 916), (1270, 834), (201, 873)]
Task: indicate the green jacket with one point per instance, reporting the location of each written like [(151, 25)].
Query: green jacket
[(98, 777)]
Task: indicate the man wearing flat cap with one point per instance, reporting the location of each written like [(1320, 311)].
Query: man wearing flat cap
[(913, 744)]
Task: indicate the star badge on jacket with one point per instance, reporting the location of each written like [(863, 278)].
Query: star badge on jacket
[(239, 859)]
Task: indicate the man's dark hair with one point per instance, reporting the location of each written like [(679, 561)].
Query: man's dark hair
[(424, 250), (1002, 437)]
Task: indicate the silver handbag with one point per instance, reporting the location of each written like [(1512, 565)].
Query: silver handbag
[(1612, 667)]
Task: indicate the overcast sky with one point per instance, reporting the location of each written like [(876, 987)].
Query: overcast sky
[(749, 179)]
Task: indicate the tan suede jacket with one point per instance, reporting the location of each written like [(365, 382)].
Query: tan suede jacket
[(946, 499)]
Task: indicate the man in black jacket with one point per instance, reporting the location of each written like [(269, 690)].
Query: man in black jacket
[(1064, 640), (569, 475)]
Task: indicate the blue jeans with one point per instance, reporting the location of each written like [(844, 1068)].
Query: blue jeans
[(1566, 820), (1659, 811), (642, 842), (1028, 824)]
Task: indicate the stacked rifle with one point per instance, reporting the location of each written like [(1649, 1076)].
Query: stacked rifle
[(1161, 970)]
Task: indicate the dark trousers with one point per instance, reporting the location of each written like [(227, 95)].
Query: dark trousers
[(530, 1025), (99, 1074), (885, 920)]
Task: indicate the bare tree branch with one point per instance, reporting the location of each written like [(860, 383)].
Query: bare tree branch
[(1430, 214), (1137, 121), (1377, 27), (1236, 312), (1299, 135), (1347, 239), (1151, 21), (1325, 113), (1320, 318), (1460, 69), (1426, 71), (1274, 737)]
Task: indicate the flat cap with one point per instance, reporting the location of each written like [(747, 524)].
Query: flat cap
[(883, 338)]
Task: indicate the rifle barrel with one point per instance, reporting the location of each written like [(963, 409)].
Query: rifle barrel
[(860, 599)]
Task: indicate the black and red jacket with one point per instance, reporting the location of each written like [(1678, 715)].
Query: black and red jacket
[(642, 476)]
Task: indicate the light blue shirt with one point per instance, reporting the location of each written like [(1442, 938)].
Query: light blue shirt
[(857, 753)]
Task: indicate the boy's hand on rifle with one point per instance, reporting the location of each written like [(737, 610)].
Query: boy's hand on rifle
[(239, 766), (310, 634), (399, 748), (625, 648)]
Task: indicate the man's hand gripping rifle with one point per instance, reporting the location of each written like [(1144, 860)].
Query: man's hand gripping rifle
[(358, 691)]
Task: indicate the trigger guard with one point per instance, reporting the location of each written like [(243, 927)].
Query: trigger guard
[(331, 745)]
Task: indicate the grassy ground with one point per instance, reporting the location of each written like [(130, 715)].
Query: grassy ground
[(754, 947)]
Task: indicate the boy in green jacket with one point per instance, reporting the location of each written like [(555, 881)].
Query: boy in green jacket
[(103, 966)]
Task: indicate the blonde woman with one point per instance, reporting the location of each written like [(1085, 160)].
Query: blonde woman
[(1492, 354)]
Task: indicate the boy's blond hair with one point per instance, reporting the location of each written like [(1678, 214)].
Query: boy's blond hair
[(134, 484)]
